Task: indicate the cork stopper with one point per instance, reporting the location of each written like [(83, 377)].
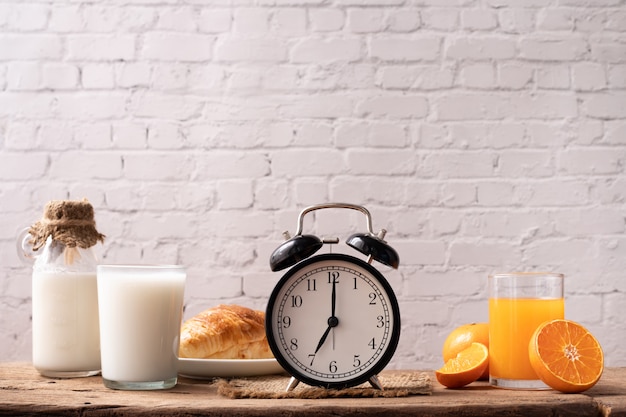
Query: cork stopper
[(68, 222)]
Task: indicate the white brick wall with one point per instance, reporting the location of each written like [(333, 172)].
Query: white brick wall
[(484, 135)]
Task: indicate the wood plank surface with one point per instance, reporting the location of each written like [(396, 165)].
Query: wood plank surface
[(24, 392)]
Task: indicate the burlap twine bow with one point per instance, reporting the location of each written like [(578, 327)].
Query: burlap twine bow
[(68, 222)]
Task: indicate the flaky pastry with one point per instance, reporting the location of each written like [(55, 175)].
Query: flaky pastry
[(225, 332)]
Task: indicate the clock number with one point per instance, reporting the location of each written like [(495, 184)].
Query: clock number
[(286, 322), (372, 344), (372, 298), (354, 288), (332, 367), (381, 321), (296, 301), (357, 362), (333, 276), (311, 285), (312, 357), (294, 344)]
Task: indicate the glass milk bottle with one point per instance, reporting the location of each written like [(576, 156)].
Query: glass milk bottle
[(66, 333)]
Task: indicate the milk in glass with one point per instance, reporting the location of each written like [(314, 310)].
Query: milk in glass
[(66, 336), (140, 320)]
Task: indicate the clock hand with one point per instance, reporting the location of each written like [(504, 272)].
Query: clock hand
[(333, 304), (333, 299), (323, 339), (332, 320)]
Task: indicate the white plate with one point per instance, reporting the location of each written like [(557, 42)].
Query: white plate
[(211, 368)]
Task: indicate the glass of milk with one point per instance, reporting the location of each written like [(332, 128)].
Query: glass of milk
[(140, 310)]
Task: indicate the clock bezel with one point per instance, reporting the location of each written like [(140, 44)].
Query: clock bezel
[(382, 361)]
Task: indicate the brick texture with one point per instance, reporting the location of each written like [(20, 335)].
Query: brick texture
[(483, 135)]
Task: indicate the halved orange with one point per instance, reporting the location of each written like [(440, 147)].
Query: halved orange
[(466, 367), (462, 337), (566, 356)]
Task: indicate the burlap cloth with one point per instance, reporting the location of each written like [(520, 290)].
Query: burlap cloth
[(68, 222), (395, 383)]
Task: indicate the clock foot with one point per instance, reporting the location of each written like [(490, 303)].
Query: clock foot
[(293, 382), (375, 382)]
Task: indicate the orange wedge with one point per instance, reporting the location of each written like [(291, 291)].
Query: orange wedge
[(566, 356), (466, 367)]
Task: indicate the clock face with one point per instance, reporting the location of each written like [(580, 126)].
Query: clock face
[(333, 321)]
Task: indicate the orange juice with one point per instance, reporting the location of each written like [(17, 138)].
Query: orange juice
[(512, 322)]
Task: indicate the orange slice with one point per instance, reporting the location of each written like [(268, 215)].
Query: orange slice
[(566, 356), (468, 365)]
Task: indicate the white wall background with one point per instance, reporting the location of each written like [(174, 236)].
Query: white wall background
[(485, 135)]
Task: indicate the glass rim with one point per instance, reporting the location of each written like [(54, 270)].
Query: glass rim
[(527, 274), (155, 267)]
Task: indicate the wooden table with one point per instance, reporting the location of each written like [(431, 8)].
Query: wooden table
[(23, 392)]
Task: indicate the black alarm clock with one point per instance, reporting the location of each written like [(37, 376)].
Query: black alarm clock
[(333, 320)]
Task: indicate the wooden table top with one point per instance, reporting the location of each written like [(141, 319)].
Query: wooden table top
[(24, 392)]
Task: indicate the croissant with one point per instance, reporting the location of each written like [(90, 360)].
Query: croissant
[(225, 332)]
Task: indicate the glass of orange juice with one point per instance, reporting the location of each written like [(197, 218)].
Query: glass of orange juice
[(518, 303)]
